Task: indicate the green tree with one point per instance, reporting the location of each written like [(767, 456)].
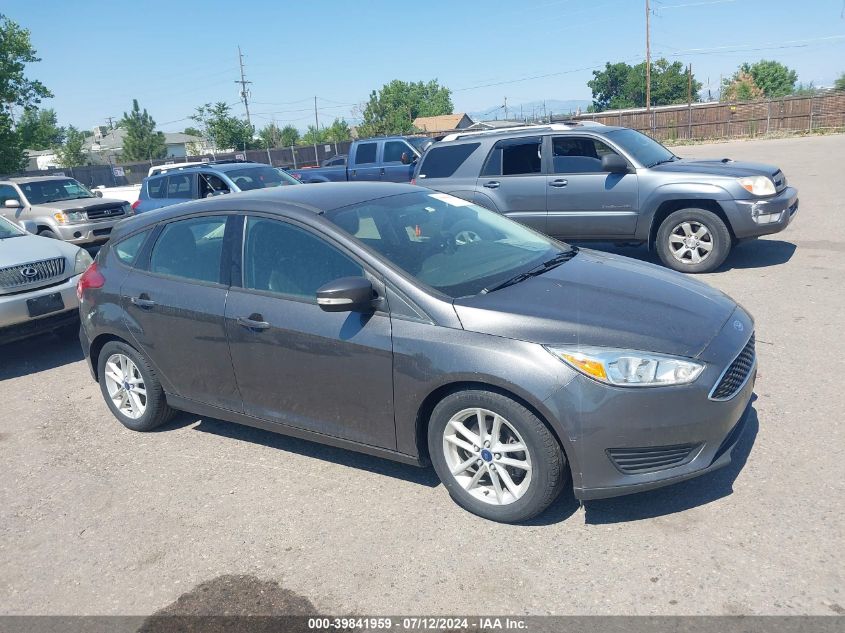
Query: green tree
[(773, 78), (40, 129), (839, 84), (338, 131), (141, 141), (393, 108), (313, 135), (621, 86), (741, 87), (224, 131), (191, 131), (72, 153), (271, 135), (289, 136), (16, 90)]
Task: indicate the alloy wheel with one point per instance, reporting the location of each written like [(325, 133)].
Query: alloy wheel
[(691, 242), (487, 456), (126, 386)]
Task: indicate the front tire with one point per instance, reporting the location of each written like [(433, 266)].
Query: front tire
[(693, 241), (131, 389), (48, 233), (494, 456)]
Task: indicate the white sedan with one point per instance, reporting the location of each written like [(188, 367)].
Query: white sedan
[(38, 278)]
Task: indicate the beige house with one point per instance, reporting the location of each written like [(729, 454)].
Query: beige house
[(443, 123)]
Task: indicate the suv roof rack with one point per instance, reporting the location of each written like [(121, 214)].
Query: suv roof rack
[(559, 126)]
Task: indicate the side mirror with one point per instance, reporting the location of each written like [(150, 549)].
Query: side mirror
[(12, 204), (98, 193), (347, 294), (614, 164)]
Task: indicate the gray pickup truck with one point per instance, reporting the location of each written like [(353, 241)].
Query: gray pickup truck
[(587, 181), (60, 208)]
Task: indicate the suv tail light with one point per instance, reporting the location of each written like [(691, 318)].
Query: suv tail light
[(136, 203), (91, 278)]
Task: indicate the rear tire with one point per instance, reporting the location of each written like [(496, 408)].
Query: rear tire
[(495, 480), (131, 389), (693, 241)]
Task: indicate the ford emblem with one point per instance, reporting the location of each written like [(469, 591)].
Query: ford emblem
[(29, 272), (738, 326)]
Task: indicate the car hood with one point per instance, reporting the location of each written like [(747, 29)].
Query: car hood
[(604, 300), (724, 167), (32, 248), (80, 204)]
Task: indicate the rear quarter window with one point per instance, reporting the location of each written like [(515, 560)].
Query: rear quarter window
[(156, 187), (127, 250), (443, 162)]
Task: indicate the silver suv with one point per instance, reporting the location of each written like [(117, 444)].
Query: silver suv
[(587, 181), (61, 208)]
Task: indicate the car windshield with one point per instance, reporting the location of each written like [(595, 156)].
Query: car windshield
[(420, 143), (249, 178), (7, 229), (444, 242), (644, 149), (43, 191)]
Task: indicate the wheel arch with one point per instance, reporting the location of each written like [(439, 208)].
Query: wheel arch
[(97, 347), (667, 207)]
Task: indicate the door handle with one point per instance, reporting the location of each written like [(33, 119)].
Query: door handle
[(382, 171), (253, 322), (560, 182), (143, 302), (493, 184)]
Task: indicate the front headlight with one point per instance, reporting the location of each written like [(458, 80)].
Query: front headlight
[(758, 185), (83, 261), (629, 368), (66, 217)]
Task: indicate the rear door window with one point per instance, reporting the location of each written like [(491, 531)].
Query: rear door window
[(514, 157), (443, 162), (180, 186), (365, 153), (190, 249)]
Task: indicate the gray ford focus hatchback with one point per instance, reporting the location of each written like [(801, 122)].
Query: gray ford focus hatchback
[(416, 326)]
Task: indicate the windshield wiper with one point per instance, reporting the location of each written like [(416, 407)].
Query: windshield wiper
[(547, 265), (665, 160)]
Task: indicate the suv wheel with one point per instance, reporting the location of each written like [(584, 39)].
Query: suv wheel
[(48, 233), (494, 456), (131, 389), (693, 241)]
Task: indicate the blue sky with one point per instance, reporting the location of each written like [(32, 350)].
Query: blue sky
[(173, 56)]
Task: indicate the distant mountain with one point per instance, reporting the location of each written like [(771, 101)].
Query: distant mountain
[(529, 108)]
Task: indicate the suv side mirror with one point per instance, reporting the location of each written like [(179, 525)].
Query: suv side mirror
[(12, 203), (347, 294), (98, 193), (614, 164)]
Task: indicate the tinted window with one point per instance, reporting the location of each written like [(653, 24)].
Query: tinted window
[(574, 154), (514, 157), (157, 187), (127, 250), (211, 185), (287, 260), (179, 186), (646, 150), (7, 192), (43, 191), (365, 153), (262, 177), (393, 151), (442, 162), (190, 249)]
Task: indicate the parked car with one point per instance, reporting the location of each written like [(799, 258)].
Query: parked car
[(587, 181), (207, 180), (347, 314), (388, 159), (61, 208), (37, 283)]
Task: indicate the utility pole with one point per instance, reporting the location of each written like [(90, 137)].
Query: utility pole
[(316, 120), (244, 83), (689, 84), (506, 108), (111, 125), (647, 56)]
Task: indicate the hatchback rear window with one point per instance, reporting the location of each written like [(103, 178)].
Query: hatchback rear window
[(443, 162)]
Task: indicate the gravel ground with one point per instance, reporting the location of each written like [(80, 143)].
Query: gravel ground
[(96, 519)]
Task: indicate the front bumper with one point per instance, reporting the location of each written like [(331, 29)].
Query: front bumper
[(15, 322), (772, 214), (601, 421), (87, 232)]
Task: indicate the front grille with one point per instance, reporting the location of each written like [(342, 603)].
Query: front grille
[(736, 374), (648, 459), (13, 277), (105, 214)]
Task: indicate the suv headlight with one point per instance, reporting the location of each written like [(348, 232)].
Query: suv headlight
[(68, 217), (758, 185), (83, 261), (629, 368)]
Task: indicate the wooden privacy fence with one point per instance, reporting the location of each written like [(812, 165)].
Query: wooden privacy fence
[(823, 111)]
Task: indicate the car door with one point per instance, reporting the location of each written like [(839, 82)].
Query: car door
[(364, 164), (583, 201), (513, 180), (393, 169), (327, 372), (174, 304)]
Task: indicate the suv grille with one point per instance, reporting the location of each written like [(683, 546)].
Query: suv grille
[(27, 274), (105, 214), (736, 374), (635, 461)]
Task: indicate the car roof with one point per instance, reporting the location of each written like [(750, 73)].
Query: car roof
[(302, 201), (527, 131), (211, 166), (25, 179)]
